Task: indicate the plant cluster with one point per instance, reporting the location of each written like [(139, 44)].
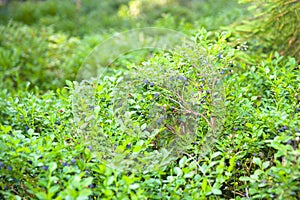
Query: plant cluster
[(273, 26), (90, 16), (207, 120), (36, 56)]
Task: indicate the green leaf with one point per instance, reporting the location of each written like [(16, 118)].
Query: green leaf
[(110, 180), (216, 154), (6, 129), (170, 179), (257, 161), (86, 182), (18, 197), (249, 125), (182, 161), (189, 175), (69, 83), (134, 186), (204, 184), (41, 195), (177, 171), (52, 166), (197, 177), (143, 127), (30, 131), (231, 163), (84, 193), (216, 191), (265, 164), (137, 148), (76, 181), (54, 189), (244, 178), (253, 98)]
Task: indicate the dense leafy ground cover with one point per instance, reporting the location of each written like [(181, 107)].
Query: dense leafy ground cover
[(255, 153)]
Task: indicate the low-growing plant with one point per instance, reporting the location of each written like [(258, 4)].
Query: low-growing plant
[(146, 103), (41, 57), (272, 26)]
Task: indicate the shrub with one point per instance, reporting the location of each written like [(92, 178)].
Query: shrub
[(144, 107), (44, 156), (274, 26), (41, 57), (262, 129)]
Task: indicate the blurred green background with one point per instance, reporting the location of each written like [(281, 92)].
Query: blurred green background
[(81, 17)]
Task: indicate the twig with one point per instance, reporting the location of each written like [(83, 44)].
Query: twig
[(190, 111), (239, 193)]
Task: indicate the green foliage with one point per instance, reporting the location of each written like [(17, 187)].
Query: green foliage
[(67, 15), (177, 13), (157, 105), (92, 16), (42, 157), (41, 57), (263, 128), (254, 154), (273, 26)]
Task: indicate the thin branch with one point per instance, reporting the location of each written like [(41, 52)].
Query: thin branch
[(239, 193), (190, 111)]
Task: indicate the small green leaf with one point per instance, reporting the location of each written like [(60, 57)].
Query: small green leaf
[(265, 164), (177, 171), (189, 175), (249, 125), (170, 179), (244, 178), (134, 186), (197, 177), (216, 154), (69, 83), (204, 184), (18, 197), (182, 161), (231, 163), (110, 180), (52, 166), (84, 193), (30, 131), (253, 98), (143, 127), (216, 191), (86, 182), (54, 189), (6, 129), (41, 195), (257, 161), (97, 109)]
